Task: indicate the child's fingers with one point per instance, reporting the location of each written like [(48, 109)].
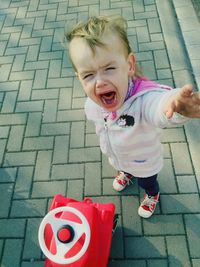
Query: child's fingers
[(186, 90), (169, 113)]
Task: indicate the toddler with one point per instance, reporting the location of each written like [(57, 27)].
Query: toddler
[(127, 108)]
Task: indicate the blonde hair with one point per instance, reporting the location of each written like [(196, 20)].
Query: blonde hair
[(92, 30)]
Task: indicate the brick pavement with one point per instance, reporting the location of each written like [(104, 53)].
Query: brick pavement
[(47, 146)]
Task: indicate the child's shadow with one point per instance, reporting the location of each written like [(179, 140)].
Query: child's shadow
[(133, 249)]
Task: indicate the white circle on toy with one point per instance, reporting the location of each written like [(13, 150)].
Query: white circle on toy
[(63, 248)]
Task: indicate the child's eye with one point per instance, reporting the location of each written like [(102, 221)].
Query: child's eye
[(87, 76), (110, 68)]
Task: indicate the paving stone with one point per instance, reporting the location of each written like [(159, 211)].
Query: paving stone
[(195, 66), (127, 12), (55, 68), (185, 11), (127, 263), (149, 69), (177, 250), (131, 220), (33, 124), (59, 82), (2, 149), (1, 246), (18, 63), (180, 203), (13, 246), (165, 225), (50, 55), (23, 180), (38, 143), (107, 170), (184, 165), (91, 140), (117, 244), (31, 249), (42, 166), (9, 86), (133, 43), (7, 175), (154, 25), (193, 234), (29, 106), (12, 119), (173, 135), (84, 154), (65, 98), (55, 128), (166, 178), (182, 77), (77, 89), (4, 130), (187, 183), (6, 191), (13, 144), (46, 44), (195, 262), (19, 159), (194, 51), (7, 226), (161, 59), (40, 79), (67, 171), (45, 94), (142, 35), (5, 72), (92, 179), (75, 189), (192, 129), (30, 208), (61, 149), (146, 15), (172, 36), (34, 65), (50, 110), (155, 37), (138, 6), (164, 73), (77, 134), (48, 189), (25, 90), (145, 247)]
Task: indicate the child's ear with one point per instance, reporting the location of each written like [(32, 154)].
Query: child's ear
[(77, 76), (132, 63)]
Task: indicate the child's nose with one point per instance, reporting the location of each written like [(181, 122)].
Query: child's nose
[(100, 82)]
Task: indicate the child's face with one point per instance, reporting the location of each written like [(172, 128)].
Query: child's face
[(105, 74)]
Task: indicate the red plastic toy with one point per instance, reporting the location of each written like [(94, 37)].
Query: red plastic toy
[(77, 234)]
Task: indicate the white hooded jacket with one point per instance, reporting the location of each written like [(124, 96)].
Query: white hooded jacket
[(132, 139)]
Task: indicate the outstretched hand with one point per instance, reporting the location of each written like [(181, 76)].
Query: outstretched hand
[(186, 102)]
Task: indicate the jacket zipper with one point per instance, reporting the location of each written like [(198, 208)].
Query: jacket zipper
[(109, 144)]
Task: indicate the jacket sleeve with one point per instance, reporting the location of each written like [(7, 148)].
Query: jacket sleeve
[(152, 109)]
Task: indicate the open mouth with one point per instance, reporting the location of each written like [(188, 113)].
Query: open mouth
[(109, 98)]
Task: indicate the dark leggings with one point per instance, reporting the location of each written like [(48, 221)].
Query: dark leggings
[(149, 184)]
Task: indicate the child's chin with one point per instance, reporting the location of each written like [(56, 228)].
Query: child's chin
[(111, 107)]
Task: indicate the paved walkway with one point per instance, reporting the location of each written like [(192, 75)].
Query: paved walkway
[(47, 147)]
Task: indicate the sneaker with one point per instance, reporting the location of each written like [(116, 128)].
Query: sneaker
[(148, 205), (121, 181)]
